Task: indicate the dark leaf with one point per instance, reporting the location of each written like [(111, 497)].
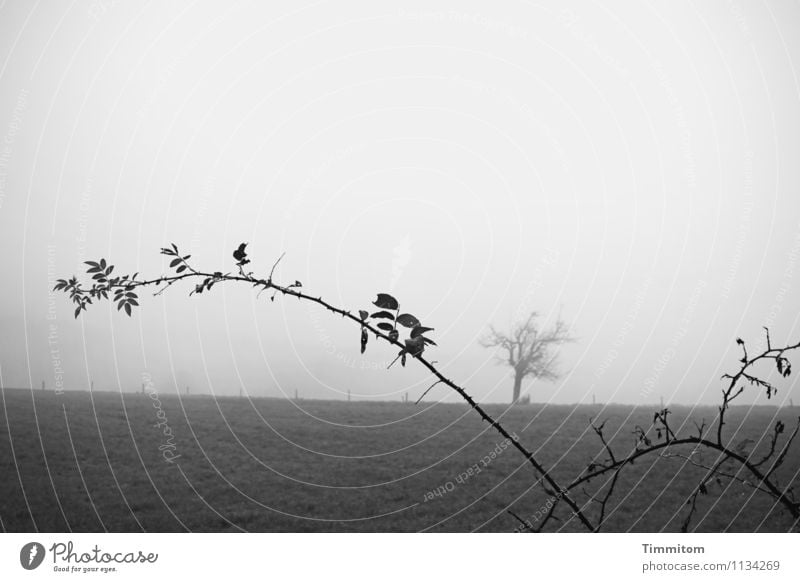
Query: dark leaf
[(77, 311), (175, 262), (240, 255), (393, 335), (385, 326), (407, 320), (128, 309), (419, 330), (403, 358), (415, 346), (428, 341), (102, 264), (180, 269), (364, 338), (386, 301), (382, 315), (363, 314)]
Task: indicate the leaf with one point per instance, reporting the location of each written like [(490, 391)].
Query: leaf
[(385, 326), (428, 341), (102, 264), (180, 269), (363, 314), (175, 262), (419, 330), (364, 338), (128, 309), (393, 335), (408, 320), (415, 346), (240, 255), (382, 315), (77, 311), (386, 301)]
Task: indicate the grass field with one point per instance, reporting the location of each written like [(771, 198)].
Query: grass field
[(93, 462)]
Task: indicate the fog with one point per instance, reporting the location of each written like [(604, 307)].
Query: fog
[(634, 170)]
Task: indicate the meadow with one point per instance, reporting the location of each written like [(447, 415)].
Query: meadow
[(105, 461)]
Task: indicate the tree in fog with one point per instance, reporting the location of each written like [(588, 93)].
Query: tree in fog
[(528, 350)]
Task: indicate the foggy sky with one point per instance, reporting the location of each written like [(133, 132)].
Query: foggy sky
[(634, 169)]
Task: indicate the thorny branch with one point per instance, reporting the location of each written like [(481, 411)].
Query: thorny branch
[(762, 480), (124, 290)]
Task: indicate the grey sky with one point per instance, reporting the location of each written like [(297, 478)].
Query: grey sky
[(635, 168)]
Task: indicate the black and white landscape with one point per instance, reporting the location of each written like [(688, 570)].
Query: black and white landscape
[(362, 267)]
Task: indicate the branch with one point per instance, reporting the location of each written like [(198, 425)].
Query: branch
[(426, 391), (414, 349)]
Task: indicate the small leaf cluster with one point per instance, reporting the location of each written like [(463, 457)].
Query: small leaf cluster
[(178, 262), (241, 255), (102, 284), (391, 318)]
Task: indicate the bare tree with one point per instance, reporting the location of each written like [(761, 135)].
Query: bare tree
[(528, 350)]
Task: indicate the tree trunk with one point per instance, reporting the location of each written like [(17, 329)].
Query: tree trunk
[(517, 387)]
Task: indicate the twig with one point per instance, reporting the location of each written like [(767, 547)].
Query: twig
[(426, 391)]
